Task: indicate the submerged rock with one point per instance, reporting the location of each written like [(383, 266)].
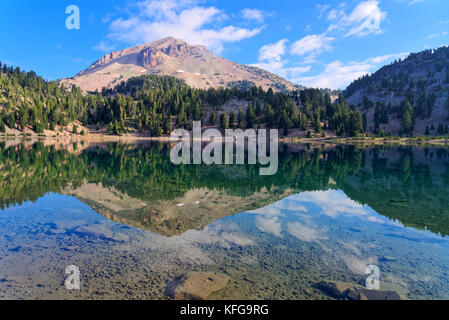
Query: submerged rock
[(365, 294), (198, 285), (349, 291), (95, 230), (336, 289)]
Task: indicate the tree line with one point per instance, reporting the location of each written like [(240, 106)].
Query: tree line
[(157, 104)]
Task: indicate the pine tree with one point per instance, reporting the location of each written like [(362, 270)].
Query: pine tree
[(269, 115), (23, 118), (317, 122), (182, 118), (356, 124), (430, 104), (12, 120), (157, 130), (232, 119), (196, 112), (167, 124), (213, 118), (240, 119), (116, 128), (224, 121), (38, 127), (407, 118), (286, 123), (250, 116), (149, 101), (446, 106), (440, 129), (258, 108), (303, 122)]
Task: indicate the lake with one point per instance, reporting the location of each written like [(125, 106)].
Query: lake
[(139, 227)]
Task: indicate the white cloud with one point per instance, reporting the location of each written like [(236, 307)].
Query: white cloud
[(270, 59), (358, 265), (103, 46), (415, 1), (365, 19), (437, 35), (273, 51), (337, 12), (312, 44), (294, 71), (282, 70), (332, 15), (253, 14), (269, 225), (322, 8), (305, 233), (338, 75), (152, 20), (411, 2), (332, 203)]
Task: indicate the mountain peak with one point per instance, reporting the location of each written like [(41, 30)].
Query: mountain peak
[(195, 64), (167, 41)]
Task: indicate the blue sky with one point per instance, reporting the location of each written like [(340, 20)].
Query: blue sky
[(315, 43)]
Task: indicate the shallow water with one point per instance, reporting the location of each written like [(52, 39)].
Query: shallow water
[(134, 223)]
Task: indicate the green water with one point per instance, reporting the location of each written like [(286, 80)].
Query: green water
[(134, 223)]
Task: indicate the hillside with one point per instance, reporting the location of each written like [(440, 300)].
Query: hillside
[(31, 104), (152, 105), (196, 65), (409, 96)]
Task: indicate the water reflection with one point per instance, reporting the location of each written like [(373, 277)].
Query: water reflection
[(326, 215)]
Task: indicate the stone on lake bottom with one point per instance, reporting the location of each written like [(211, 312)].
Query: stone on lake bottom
[(198, 285), (349, 291)]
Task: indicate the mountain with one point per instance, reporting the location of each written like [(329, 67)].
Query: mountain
[(195, 209), (199, 67), (409, 96), (153, 105)]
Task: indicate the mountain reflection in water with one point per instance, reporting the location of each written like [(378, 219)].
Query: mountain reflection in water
[(328, 213)]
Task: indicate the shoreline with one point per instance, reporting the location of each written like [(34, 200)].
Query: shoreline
[(369, 141), (100, 137)]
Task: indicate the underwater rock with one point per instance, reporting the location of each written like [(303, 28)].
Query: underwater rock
[(349, 291), (103, 232), (95, 230), (198, 285), (337, 289), (365, 294)]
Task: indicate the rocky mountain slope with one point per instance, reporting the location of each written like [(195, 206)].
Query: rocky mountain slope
[(195, 64), (422, 79)]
